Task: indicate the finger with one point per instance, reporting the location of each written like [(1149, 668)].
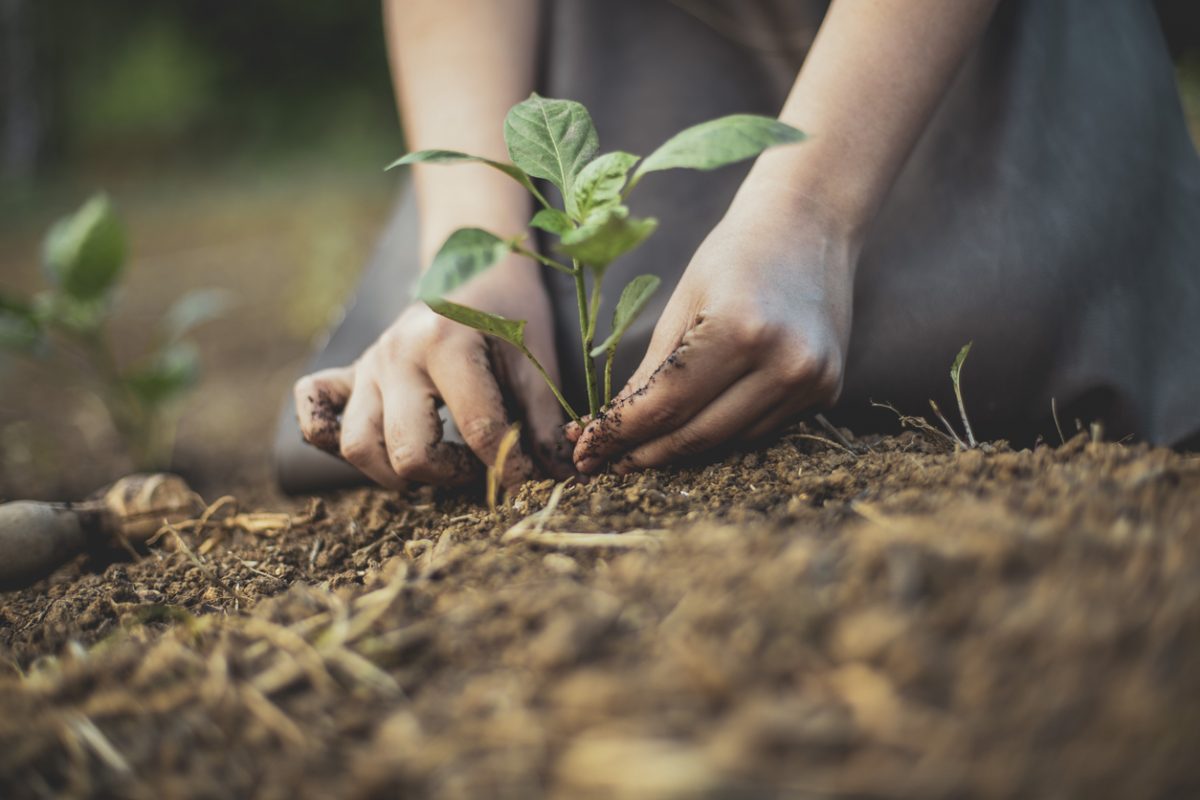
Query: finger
[(773, 422), (668, 334), (462, 375), (541, 410), (573, 430), (412, 431), (320, 399), (737, 410), (697, 372), (362, 433), (536, 405)]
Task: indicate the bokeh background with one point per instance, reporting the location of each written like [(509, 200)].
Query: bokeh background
[(243, 143)]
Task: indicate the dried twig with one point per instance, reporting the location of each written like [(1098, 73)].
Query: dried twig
[(537, 520), (917, 423), (941, 418), (836, 434), (825, 441), (1057, 426), (629, 540)]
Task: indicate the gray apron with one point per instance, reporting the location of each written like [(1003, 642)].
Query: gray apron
[(1050, 213)]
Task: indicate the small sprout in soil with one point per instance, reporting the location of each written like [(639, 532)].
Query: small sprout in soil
[(84, 257), (955, 378), (555, 141)]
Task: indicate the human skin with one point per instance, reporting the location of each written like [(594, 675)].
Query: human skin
[(442, 51), (756, 330), (758, 327)]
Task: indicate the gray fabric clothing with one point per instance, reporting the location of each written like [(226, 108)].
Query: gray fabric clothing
[(1050, 211)]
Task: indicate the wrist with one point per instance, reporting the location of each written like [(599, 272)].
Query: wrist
[(467, 196), (798, 186)]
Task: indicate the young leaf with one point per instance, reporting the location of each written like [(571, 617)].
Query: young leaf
[(508, 330), (54, 307), (551, 139), (551, 220), (599, 184), (955, 379), (84, 252), (166, 375), (455, 157), (719, 142), (634, 297), (20, 329), (605, 236), (194, 308), (956, 367), (468, 252)]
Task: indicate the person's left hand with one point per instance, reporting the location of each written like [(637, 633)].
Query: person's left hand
[(755, 333)]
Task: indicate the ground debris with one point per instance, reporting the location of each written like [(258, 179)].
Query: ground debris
[(885, 619)]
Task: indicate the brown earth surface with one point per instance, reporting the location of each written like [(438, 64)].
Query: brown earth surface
[(810, 620)]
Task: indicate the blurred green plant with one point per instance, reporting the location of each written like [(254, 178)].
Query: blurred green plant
[(159, 84), (83, 259)]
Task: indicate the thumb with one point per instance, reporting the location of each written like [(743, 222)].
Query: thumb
[(668, 335)]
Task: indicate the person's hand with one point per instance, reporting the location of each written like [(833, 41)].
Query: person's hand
[(380, 413), (755, 333)]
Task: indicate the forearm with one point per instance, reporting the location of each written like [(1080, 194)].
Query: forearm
[(458, 66), (873, 78)]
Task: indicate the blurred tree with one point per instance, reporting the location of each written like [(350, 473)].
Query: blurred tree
[(186, 76), (22, 117)]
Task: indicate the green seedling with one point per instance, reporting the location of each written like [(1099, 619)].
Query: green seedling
[(84, 257), (956, 379), (555, 141)]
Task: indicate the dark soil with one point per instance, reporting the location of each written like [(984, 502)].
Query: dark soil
[(805, 621)]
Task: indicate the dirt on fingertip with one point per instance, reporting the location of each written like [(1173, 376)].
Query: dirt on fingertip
[(828, 616)]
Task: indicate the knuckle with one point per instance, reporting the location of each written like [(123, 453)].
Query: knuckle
[(406, 460), (391, 345), (303, 389), (688, 442), (356, 450), (752, 332), (819, 373), (482, 434), (664, 416)]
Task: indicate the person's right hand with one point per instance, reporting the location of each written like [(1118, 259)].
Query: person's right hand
[(380, 413)]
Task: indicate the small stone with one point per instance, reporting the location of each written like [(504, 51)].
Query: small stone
[(561, 564)]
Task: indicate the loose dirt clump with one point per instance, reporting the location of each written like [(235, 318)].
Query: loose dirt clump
[(878, 618)]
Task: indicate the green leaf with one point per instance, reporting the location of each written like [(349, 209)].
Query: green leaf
[(193, 309), (455, 157), (20, 329), (634, 297), (956, 367), (167, 375), (468, 252), (599, 184), (508, 330), (84, 252), (56, 307), (719, 142), (551, 220), (605, 236), (551, 139)]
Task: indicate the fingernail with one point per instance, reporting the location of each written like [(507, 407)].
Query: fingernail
[(588, 464)]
